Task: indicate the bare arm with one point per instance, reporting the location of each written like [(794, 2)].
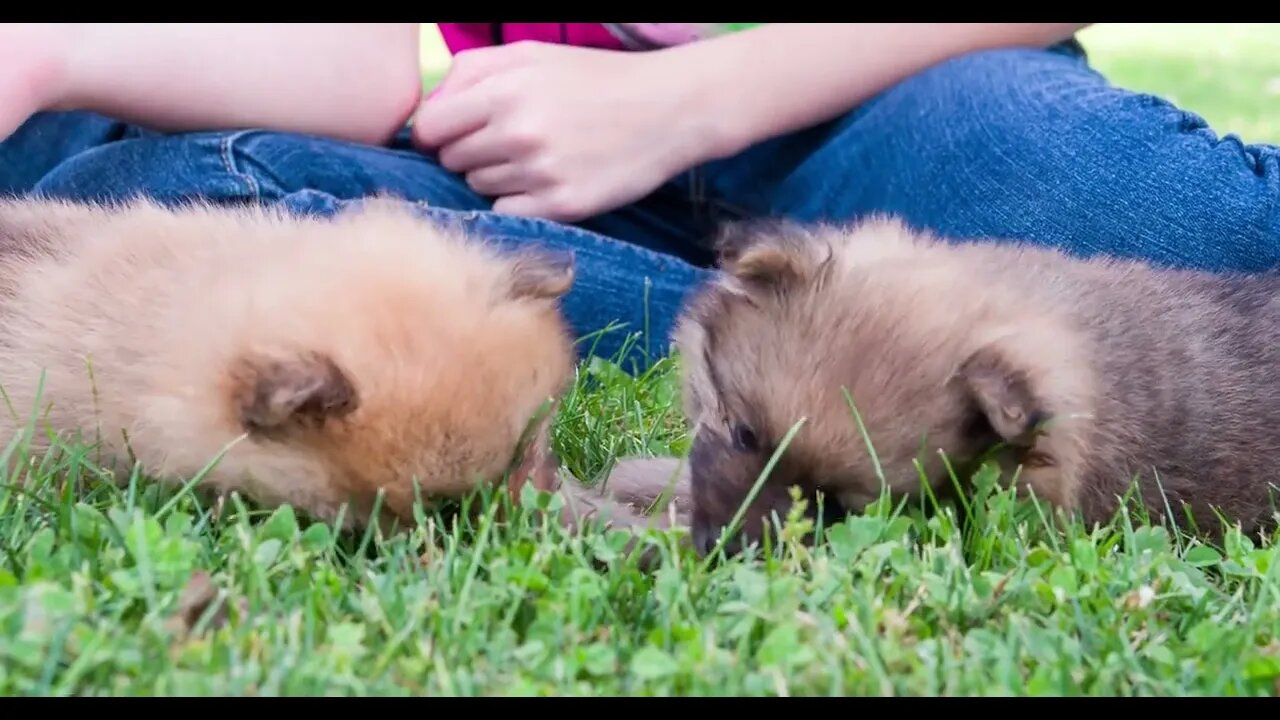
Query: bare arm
[(778, 78), (355, 81)]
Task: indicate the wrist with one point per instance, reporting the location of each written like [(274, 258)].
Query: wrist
[(731, 94), (717, 106), (700, 106)]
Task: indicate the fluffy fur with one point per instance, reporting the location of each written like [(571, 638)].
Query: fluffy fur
[(1086, 374), (649, 485), (330, 357)]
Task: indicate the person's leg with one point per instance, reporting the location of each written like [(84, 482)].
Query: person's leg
[(1026, 144), (46, 140), (637, 284)]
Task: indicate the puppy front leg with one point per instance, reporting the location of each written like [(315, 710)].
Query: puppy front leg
[(625, 498)]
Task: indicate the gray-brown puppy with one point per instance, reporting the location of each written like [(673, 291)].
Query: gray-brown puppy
[(1091, 373)]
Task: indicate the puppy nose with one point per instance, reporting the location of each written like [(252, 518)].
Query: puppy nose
[(830, 509), (704, 541)]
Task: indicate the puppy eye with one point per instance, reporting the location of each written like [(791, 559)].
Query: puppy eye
[(744, 440)]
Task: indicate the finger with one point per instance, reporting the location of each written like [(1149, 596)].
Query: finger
[(469, 67), (446, 120), (545, 204), (480, 149), (523, 204), (501, 179)]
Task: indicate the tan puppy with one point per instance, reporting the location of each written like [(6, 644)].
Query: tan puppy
[(331, 358), (1091, 374)]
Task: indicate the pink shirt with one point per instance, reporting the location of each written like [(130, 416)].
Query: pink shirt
[(611, 36)]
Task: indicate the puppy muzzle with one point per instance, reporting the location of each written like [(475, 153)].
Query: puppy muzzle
[(823, 511)]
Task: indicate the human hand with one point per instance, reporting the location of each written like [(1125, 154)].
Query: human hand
[(563, 132)]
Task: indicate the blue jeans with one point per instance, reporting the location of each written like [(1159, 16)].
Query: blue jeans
[(1020, 143)]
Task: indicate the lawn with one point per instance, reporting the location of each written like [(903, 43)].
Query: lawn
[(100, 588)]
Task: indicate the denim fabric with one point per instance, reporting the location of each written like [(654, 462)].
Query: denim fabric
[(1017, 143)]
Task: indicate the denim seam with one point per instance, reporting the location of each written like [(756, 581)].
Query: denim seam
[(704, 204), (697, 189), (728, 208), (227, 152), (532, 225), (529, 226)]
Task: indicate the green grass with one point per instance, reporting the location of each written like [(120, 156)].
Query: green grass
[(895, 602), (1227, 72)]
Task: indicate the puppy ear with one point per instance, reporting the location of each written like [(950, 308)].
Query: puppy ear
[(278, 394), (1002, 385), (541, 274), (770, 253), (1031, 386)]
